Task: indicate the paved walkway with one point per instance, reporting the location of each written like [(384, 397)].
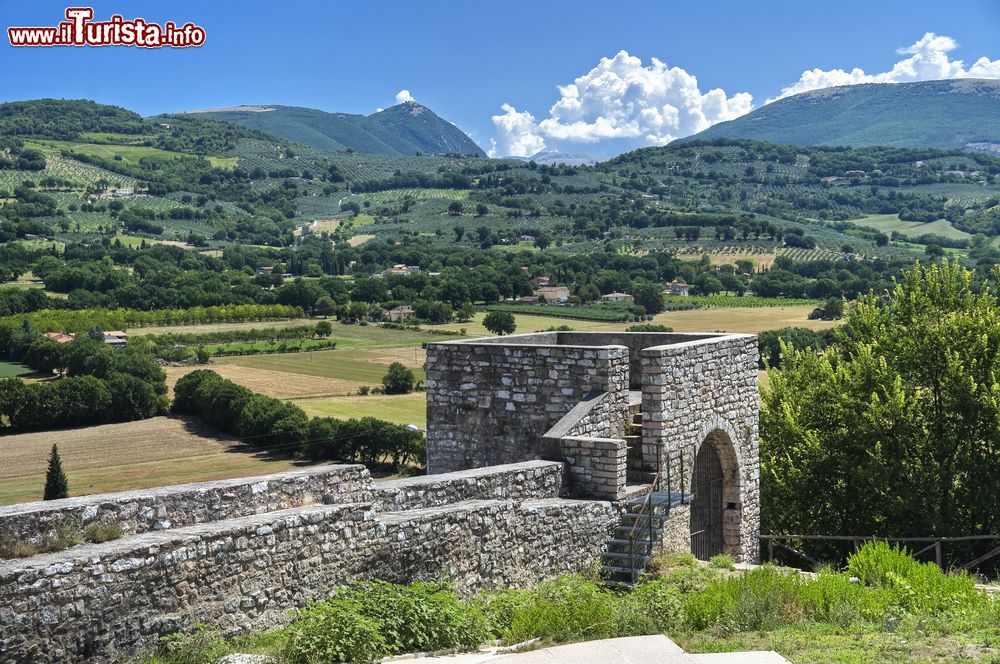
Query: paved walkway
[(628, 650)]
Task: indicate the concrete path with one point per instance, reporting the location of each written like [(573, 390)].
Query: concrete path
[(628, 650)]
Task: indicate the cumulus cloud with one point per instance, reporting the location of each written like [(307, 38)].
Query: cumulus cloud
[(620, 98), (517, 134), (928, 61), (403, 96)]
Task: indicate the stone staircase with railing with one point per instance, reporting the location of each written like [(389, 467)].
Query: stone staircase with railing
[(653, 497)]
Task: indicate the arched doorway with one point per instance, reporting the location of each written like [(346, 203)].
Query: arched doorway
[(715, 512), (706, 508)]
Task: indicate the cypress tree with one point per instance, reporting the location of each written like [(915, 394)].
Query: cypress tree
[(56, 484)]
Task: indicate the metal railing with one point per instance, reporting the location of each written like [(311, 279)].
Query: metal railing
[(648, 507)]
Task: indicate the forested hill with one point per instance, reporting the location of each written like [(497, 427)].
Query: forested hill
[(955, 114), (405, 129)]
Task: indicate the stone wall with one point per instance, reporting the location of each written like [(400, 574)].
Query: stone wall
[(109, 601), (590, 441), (188, 504), (491, 402), (702, 392), (514, 481)]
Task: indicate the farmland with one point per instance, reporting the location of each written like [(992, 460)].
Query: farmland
[(135, 455), (889, 223), (398, 408), (750, 320)]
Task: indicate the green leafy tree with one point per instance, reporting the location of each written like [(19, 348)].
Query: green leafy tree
[(455, 208), (648, 296), (56, 484), (895, 429), (399, 379), (500, 322), (324, 329)]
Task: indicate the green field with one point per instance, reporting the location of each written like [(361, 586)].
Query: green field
[(888, 223), (8, 369), (355, 365), (401, 409), (130, 154)]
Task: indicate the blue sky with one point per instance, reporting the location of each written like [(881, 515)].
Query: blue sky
[(465, 60)]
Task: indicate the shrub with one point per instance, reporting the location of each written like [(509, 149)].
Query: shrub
[(333, 631), (653, 607), (399, 379), (721, 561), (102, 532), (568, 608), (201, 646), (649, 327), (833, 598), (419, 617), (919, 588), (762, 599)]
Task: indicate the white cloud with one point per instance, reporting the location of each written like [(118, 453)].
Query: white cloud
[(517, 134), (633, 104), (928, 61), (620, 98), (403, 96)]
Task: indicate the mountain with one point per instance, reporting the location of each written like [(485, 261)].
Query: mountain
[(407, 128), (552, 157), (953, 114)]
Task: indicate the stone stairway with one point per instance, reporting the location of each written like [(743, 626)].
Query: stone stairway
[(637, 471), (636, 536)]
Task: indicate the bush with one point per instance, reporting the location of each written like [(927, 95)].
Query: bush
[(399, 379), (201, 646), (334, 631), (721, 561), (569, 608), (367, 621), (762, 599), (648, 327), (916, 587)]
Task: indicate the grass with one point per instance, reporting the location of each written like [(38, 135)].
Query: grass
[(359, 366), (133, 455), (716, 319), (400, 409), (130, 154), (887, 223), (11, 369), (817, 643)]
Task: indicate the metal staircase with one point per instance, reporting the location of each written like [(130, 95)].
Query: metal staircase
[(640, 529)]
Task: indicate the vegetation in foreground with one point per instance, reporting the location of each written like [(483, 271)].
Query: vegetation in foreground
[(893, 430), (883, 607)]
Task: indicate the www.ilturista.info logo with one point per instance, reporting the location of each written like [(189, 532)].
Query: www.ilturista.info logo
[(81, 30)]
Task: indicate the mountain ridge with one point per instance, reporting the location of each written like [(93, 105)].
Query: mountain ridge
[(946, 114), (407, 128)]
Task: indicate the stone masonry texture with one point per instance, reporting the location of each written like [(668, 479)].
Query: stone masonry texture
[(499, 526)]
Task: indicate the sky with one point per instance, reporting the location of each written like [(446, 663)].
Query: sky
[(518, 76)]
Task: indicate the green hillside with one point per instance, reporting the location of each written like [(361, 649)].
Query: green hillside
[(405, 129), (956, 114)]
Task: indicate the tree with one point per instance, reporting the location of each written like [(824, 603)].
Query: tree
[(324, 329), (481, 209), (648, 296), (203, 355), (543, 241), (399, 379), (459, 232), (325, 306), (500, 322), (892, 431), (56, 484), (455, 208)]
